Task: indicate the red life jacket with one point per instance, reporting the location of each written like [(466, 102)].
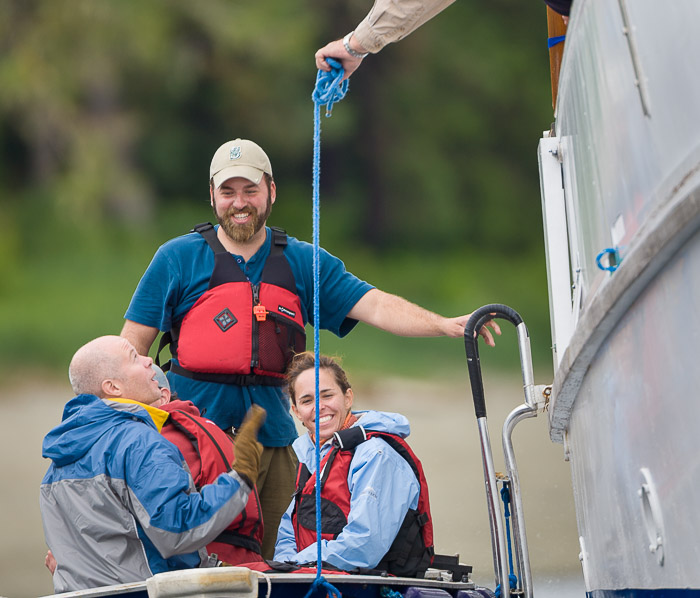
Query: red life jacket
[(208, 451), (238, 332), (412, 551)]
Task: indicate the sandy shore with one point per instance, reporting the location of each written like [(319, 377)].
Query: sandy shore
[(444, 435)]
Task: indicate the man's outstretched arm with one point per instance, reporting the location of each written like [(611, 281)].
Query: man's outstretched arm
[(388, 21), (403, 318)]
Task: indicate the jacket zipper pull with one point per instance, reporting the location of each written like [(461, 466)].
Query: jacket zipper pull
[(254, 349), (258, 310)]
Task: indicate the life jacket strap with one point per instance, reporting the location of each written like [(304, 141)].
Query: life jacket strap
[(234, 539), (206, 229), (237, 379), (350, 438), (165, 339)]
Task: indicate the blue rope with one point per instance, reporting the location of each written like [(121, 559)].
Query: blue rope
[(512, 579), (505, 496), (330, 88), (321, 584), (614, 259), (553, 41), (317, 341), (387, 592)]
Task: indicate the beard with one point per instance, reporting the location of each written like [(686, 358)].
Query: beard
[(241, 233)]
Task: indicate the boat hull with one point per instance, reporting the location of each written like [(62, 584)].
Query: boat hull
[(625, 404)]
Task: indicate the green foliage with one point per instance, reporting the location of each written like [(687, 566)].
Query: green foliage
[(110, 113)]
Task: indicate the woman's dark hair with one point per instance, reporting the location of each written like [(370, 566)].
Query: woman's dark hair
[(305, 361)]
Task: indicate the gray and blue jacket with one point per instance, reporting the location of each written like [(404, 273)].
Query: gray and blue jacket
[(118, 503)]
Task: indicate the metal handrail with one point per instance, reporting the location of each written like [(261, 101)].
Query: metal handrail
[(535, 400)]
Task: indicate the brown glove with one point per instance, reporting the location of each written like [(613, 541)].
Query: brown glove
[(247, 449)]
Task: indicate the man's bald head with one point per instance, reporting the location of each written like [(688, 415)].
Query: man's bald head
[(94, 363), (109, 367)]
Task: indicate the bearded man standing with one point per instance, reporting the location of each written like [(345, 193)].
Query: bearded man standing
[(234, 300)]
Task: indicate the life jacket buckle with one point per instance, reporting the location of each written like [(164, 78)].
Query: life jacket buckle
[(260, 313)]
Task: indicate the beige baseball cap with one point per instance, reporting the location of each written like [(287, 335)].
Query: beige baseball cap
[(239, 157)]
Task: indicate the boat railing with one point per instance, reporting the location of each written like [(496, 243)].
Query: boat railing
[(536, 398)]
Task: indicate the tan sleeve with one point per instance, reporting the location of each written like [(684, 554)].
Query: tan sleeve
[(391, 20)]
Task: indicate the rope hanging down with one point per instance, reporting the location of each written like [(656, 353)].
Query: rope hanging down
[(512, 578), (330, 88)]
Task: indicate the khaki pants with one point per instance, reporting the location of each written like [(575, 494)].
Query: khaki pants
[(276, 481)]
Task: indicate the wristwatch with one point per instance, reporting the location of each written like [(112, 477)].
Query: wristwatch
[(349, 50)]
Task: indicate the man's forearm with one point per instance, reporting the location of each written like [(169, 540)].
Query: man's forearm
[(397, 315), (140, 336), (403, 318)]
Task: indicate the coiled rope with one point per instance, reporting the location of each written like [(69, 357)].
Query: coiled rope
[(330, 88)]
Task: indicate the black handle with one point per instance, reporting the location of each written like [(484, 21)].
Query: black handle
[(471, 345)]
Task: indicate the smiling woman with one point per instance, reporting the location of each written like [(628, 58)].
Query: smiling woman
[(335, 395), (373, 491)]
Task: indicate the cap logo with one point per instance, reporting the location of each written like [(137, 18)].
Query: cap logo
[(235, 153)]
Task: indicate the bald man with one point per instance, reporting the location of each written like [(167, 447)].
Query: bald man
[(117, 503)]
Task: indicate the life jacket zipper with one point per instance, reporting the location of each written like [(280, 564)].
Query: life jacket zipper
[(255, 358)]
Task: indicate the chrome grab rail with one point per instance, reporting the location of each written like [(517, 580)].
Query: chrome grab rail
[(535, 400)]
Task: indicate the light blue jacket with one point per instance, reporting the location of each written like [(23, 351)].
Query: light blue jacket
[(118, 503), (382, 486)]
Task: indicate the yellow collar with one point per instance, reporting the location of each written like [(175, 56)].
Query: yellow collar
[(158, 416)]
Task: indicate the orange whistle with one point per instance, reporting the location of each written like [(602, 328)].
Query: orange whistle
[(260, 313)]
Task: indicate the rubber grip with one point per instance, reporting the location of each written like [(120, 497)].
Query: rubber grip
[(471, 345)]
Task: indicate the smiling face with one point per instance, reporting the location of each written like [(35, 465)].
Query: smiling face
[(242, 207), (334, 403), (133, 379)]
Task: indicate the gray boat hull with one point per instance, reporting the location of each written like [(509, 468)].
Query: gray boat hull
[(626, 341)]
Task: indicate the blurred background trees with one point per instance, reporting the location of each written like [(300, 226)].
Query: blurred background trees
[(110, 113)]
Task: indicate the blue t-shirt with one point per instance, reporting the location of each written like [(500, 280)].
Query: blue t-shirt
[(179, 274)]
